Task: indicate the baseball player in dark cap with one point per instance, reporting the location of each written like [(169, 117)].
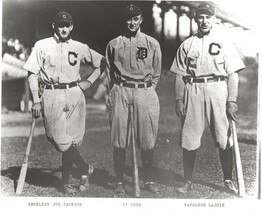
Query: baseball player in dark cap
[(55, 63), (134, 65), (206, 70)]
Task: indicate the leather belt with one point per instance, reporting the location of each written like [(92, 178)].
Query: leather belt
[(203, 79), (134, 85), (62, 86)]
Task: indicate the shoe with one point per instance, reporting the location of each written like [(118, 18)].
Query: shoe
[(119, 189), (184, 189), (230, 186), (69, 189), (151, 187), (84, 180)]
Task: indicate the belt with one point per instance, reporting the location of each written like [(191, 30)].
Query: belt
[(62, 86), (203, 79), (134, 85)]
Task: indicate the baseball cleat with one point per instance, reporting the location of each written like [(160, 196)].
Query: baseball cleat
[(119, 189), (151, 187), (230, 186), (68, 189), (84, 180), (184, 189)]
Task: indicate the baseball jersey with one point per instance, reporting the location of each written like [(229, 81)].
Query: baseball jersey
[(134, 59), (59, 62), (205, 55)]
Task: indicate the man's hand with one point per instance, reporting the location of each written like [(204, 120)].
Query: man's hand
[(231, 110), (180, 109), (36, 110), (84, 85)]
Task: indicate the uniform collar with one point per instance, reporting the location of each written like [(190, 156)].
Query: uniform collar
[(56, 38)]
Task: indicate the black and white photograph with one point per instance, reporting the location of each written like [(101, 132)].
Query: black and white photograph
[(131, 106)]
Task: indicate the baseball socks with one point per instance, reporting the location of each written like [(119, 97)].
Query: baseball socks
[(73, 156), (147, 163), (226, 159), (66, 168), (188, 164), (119, 156)]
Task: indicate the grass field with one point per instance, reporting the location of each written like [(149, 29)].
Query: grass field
[(44, 162)]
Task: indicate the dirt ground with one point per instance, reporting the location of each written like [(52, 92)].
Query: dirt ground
[(44, 162)]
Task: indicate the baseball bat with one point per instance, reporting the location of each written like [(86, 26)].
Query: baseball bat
[(22, 175), (136, 188), (239, 171)]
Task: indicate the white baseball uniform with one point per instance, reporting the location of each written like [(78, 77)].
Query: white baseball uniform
[(58, 63), (202, 56)]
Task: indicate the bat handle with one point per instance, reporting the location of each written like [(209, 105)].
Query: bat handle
[(135, 166)]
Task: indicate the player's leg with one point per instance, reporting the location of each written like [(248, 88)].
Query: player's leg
[(66, 168), (119, 98), (188, 166), (75, 126), (226, 159), (119, 156), (192, 129), (219, 126), (146, 114), (148, 174)]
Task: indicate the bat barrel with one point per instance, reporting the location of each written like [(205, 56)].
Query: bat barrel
[(22, 175), (239, 171)]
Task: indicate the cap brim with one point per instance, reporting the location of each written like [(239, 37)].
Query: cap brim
[(205, 11), (130, 15), (63, 21)]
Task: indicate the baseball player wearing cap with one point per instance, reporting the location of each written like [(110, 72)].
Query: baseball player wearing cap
[(134, 65), (206, 70), (55, 62)]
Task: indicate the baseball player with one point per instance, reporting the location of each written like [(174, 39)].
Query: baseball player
[(134, 65), (55, 63), (206, 70)]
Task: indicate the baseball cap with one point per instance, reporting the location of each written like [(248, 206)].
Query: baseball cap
[(63, 16), (132, 10), (205, 8)]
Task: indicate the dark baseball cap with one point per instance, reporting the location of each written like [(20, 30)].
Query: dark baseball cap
[(205, 8), (132, 10), (63, 16)]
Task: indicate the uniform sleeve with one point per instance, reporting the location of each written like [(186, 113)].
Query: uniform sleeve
[(233, 61), (34, 61), (109, 64), (92, 57), (157, 65), (179, 64)]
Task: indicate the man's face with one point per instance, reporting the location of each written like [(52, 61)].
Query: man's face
[(63, 30), (133, 23), (205, 22)]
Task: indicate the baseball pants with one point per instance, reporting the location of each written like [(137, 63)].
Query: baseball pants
[(146, 115), (205, 101), (64, 113)]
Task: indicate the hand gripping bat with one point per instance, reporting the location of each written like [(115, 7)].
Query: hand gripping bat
[(23, 170)]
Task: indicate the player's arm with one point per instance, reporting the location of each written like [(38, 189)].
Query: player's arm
[(99, 63), (33, 85), (179, 67), (179, 95), (157, 64), (84, 85), (232, 85), (109, 64)]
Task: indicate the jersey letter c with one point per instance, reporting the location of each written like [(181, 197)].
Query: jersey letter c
[(72, 58), (214, 49)]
